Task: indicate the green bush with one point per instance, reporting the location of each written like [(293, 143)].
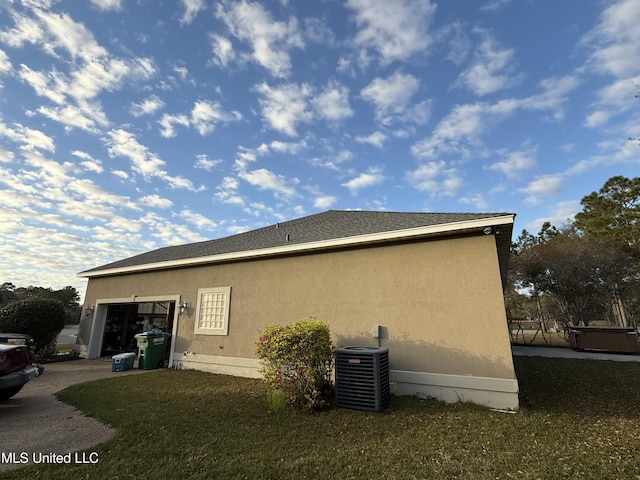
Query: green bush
[(297, 360), (42, 318)]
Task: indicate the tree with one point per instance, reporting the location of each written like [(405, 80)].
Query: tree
[(68, 296), (7, 293), (613, 211), (42, 318), (584, 275)]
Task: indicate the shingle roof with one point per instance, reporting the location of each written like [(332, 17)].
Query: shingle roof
[(329, 225)]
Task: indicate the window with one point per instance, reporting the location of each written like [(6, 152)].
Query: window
[(212, 311)]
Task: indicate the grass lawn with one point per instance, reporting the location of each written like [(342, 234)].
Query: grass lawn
[(579, 419)]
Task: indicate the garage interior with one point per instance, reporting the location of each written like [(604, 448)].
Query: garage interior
[(125, 321)]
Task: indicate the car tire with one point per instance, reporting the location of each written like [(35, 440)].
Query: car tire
[(9, 392)]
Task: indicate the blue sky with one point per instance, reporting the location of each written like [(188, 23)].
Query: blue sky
[(131, 125)]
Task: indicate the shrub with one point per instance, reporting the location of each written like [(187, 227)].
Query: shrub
[(297, 360), (42, 318)]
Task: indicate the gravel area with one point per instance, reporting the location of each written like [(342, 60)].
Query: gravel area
[(35, 422)]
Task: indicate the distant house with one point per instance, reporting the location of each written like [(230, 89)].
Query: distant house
[(433, 282)]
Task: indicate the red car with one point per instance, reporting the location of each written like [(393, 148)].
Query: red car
[(18, 363)]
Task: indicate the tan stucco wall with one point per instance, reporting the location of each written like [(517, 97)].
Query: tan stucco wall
[(440, 302)]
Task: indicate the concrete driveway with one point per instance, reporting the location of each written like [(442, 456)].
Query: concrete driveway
[(69, 334), (34, 421)]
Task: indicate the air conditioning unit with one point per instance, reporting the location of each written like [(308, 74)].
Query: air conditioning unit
[(362, 378)]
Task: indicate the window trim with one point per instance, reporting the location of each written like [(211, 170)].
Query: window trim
[(224, 330)]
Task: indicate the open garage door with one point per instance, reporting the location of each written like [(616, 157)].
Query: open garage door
[(125, 321), (116, 322)]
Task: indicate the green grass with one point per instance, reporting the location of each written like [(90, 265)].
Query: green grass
[(579, 419)]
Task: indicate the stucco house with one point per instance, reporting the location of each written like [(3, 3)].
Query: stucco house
[(430, 283)]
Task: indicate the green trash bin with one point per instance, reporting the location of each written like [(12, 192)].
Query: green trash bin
[(152, 349)]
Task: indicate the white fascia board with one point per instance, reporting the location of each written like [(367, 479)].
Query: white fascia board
[(444, 228)]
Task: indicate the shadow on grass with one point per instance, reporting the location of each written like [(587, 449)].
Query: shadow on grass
[(599, 388)]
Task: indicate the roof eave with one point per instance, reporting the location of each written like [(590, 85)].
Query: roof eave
[(358, 240)]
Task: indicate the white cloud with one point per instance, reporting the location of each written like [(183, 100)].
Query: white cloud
[(286, 147), (205, 115), (461, 127), (554, 95), (617, 151), (459, 43), (51, 85), (223, 53), (544, 186), (476, 200), (394, 30), (100, 74), (191, 9), (108, 4), (55, 32), (148, 106), (332, 160), (324, 201), (285, 106), (203, 162), (198, 220), (319, 32), (494, 5), (376, 139), (155, 201), (491, 69), (615, 41), (5, 155), (87, 116), (182, 72), (227, 191), (168, 232), (26, 30), (515, 163), (90, 164), (461, 130), (235, 229), (435, 178), (270, 40), (564, 212), (266, 180), (168, 121), (258, 209), (28, 138), (373, 176), (92, 70), (333, 102), (121, 143), (5, 64), (598, 118), (391, 95), (613, 99), (121, 174)]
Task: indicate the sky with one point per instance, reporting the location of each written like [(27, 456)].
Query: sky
[(129, 125)]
